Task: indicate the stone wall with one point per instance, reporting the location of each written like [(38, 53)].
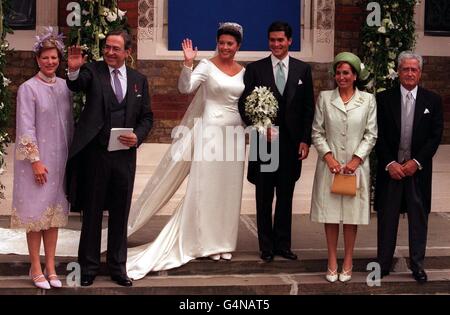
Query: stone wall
[(348, 20), (436, 77)]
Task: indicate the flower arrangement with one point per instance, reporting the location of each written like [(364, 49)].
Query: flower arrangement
[(380, 47), (261, 107), (98, 17), (381, 44), (5, 96)]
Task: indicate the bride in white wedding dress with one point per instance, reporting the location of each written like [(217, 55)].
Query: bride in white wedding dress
[(205, 223)]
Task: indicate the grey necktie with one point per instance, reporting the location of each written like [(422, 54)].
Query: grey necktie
[(408, 103), (407, 119), (280, 78), (117, 85)]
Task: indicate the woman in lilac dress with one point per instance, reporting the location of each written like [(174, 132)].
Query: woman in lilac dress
[(44, 127)]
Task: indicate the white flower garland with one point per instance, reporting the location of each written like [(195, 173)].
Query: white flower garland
[(381, 44), (98, 17), (4, 94)]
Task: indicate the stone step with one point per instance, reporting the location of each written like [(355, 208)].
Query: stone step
[(243, 263), (246, 274), (251, 284)]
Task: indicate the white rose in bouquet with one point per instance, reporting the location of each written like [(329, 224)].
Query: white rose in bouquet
[(261, 107)]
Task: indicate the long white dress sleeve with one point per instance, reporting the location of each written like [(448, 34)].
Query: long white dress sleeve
[(190, 80)]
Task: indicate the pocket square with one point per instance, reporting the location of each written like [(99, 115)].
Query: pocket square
[(426, 111), (300, 82)]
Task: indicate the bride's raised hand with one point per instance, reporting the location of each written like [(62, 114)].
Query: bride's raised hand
[(188, 52)]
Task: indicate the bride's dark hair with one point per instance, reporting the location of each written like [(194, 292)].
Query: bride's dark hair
[(230, 30)]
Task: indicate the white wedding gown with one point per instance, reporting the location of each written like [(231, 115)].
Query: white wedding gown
[(206, 220)]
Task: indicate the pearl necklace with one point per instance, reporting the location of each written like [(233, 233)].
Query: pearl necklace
[(46, 79), (348, 101)]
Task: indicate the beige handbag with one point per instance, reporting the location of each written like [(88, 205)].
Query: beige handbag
[(344, 184)]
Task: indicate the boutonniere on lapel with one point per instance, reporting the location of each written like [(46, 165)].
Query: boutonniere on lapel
[(426, 111), (136, 90)]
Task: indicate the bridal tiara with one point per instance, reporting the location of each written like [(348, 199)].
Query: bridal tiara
[(49, 35), (233, 26)]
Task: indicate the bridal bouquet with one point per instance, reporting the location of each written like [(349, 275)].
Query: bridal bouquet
[(261, 107)]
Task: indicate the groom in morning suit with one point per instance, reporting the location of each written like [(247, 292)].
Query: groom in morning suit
[(98, 179), (290, 81), (410, 125)]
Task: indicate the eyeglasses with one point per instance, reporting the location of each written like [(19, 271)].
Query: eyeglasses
[(407, 69), (115, 49)]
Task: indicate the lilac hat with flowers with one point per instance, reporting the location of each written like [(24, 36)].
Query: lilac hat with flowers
[(49, 35)]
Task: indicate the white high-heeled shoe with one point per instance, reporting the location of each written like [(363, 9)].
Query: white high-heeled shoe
[(39, 281), (53, 279), (345, 275), (215, 257), (226, 256), (332, 275)]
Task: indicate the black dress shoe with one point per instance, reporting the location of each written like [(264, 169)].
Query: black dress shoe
[(420, 276), (267, 256), (122, 280), (87, 280), (288, 254)]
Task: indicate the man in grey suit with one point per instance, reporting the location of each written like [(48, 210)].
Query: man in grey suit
[(410, 125)]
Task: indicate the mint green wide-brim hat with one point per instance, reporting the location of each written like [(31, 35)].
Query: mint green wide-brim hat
[(353, 60)]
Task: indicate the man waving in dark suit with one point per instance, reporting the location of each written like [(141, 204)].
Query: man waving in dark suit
[(98, 179), (410, 125), (290, 81)]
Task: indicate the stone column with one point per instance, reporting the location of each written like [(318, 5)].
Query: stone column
[(46, 14)]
